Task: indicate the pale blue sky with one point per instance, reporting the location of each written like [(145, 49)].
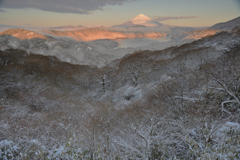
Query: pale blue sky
[(208, 12)]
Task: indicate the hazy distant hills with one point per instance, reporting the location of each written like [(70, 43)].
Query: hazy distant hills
[(69, 27), (139, 27), (89, 34), (227, 25), (99, 33)]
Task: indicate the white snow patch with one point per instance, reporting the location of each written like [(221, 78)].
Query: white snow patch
[(89, 48), (5, 126), (228, 126)]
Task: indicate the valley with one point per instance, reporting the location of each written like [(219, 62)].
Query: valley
[(118, 93)]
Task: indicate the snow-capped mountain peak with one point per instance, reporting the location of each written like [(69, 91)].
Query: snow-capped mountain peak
[(141, 18)]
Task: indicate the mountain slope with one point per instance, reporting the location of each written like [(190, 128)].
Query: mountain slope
[(199, 34), (227, 25), (98, 53), (23, 34)]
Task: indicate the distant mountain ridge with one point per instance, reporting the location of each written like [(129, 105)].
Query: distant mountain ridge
[(23, 34), (148, 29), (88, 34), (227, 25), (91, 34), (68, 27), (200, 33)]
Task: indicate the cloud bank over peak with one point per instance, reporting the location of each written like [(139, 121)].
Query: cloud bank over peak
[(61, 6), (157, 18)]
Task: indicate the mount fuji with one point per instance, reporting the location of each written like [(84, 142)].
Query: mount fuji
[(140, 21)]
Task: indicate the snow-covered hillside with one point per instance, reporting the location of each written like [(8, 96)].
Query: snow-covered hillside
[(182, 99), (97, 53), (227, 25)]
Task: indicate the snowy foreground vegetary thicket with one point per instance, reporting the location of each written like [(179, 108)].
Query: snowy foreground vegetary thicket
[(178, 103)]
